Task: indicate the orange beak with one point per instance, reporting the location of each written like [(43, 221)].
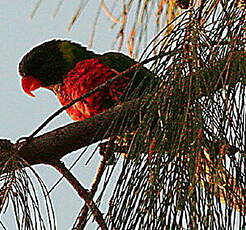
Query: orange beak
[(30, 84)]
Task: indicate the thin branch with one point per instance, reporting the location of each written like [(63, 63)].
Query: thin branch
[(100, 170), (83, 193)]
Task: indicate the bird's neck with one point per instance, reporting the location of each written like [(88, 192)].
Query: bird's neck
[(74, 53)]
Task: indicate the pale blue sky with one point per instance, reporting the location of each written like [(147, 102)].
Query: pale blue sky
[(21, 114)]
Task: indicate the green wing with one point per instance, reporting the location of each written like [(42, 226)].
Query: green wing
[(143, 80)]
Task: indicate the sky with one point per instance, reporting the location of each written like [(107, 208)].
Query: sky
[(21, 114)]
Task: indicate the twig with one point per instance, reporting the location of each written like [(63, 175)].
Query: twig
[(83, 193), (84, 211)]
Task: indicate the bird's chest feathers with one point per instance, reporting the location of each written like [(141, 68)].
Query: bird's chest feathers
[(86, 76)]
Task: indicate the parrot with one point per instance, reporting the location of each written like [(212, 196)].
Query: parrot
[(70, 70)]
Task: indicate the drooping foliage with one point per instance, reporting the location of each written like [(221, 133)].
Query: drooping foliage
[(185, 164)]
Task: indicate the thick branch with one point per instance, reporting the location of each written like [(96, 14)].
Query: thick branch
[(59, 142)]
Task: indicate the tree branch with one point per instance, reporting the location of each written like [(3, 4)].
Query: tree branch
[(82, 219), (83, 193), (59, 142)]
